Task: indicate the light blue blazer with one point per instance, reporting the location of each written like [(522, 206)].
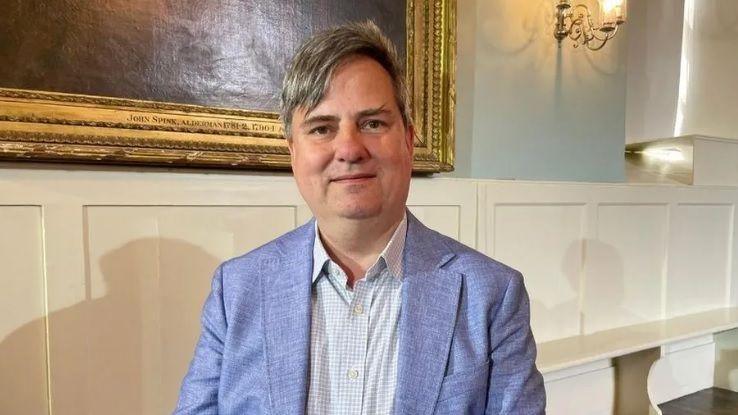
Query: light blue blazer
[(465, 340)]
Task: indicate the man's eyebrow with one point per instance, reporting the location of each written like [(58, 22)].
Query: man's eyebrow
[(314, 119), (373, 111), (320, 118)]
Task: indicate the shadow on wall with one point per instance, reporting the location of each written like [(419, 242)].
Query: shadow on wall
[(606, 297), (126, 351), (561, 313), (588, 261)]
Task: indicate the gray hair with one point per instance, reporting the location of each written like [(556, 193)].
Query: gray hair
[(311, 71)]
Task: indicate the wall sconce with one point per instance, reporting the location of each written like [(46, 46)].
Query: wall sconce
[(575, 22)]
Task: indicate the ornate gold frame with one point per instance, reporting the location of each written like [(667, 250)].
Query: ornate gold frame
[(45, 126)]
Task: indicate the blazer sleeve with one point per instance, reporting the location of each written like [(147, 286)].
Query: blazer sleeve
[(515, 385), (199, 392)]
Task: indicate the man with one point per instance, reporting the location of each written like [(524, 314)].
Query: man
[(363, 310)]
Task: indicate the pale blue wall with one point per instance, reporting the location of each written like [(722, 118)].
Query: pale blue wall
[(528, 110)]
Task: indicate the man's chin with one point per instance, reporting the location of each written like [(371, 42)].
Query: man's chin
[(358, 212)]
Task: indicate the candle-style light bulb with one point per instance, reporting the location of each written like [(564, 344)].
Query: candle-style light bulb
[(612, 12)]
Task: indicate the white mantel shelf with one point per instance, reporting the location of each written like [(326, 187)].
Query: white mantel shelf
[(580, 350)]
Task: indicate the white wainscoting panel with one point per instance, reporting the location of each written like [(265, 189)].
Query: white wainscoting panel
[(149, 276), (625, 263), (23, 370), (700, 258)]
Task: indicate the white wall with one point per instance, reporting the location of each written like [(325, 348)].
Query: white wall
[(709, 100), (654, 58), (529, 110)]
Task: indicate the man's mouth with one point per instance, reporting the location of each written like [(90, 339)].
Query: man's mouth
[(353, 178)]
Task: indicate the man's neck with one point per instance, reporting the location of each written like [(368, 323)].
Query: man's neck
[(356, 244)]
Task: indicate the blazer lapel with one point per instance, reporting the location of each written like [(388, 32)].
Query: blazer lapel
[(286, 305), (430, 300)]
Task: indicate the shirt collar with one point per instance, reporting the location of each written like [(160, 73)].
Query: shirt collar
[(391, 254)]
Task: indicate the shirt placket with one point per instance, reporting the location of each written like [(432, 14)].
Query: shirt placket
[(358, 340)]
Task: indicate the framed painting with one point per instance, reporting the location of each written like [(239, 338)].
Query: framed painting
[(194, 83)]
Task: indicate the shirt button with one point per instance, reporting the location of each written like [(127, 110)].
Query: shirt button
[(358, 309), (353, 374)]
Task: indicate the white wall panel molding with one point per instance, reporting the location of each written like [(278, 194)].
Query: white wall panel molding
[(23, 346), (66, 277), (643, 253), (113, 265)]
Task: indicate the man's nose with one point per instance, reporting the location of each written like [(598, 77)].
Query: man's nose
[(350, 146)]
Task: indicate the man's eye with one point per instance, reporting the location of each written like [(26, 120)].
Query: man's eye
[(373, 124), (319, 130)]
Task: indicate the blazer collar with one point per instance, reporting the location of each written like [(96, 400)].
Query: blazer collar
[(430, 300)]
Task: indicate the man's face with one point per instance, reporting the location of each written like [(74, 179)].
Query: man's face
[(352, 155)]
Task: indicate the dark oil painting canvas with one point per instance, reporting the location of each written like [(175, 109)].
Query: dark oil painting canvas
[(220, 53)]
